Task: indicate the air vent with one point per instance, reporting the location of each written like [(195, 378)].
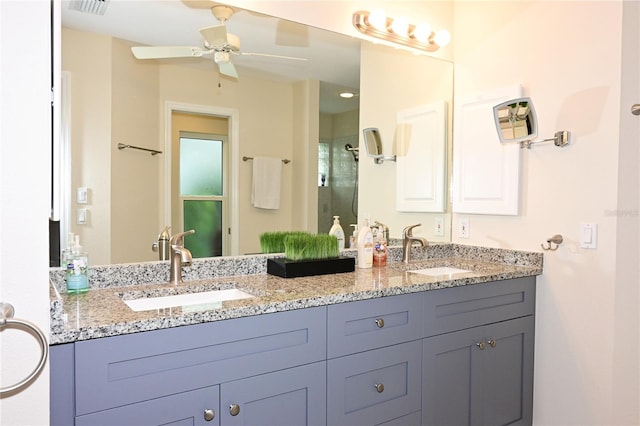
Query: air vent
[(95, 7)]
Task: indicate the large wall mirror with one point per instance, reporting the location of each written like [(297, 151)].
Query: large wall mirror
[(282, 108)]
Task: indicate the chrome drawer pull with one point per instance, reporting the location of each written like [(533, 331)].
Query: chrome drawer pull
[(380, 322), (234, 409), (209, 414), (379, 387)]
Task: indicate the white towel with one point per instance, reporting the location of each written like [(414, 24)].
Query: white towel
[(265, 183)]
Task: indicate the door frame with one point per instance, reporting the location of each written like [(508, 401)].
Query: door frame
[(232, 115)]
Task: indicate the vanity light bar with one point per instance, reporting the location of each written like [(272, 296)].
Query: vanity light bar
[(400, 31)]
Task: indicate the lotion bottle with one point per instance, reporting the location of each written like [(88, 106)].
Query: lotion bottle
[(365, 246), (337, 231)]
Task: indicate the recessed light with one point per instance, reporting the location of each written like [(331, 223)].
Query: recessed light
[(347, 95)]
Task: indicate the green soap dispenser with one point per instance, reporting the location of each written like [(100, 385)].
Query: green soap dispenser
[(77, 270)]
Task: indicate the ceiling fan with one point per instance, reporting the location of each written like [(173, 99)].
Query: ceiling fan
[(217, 42)]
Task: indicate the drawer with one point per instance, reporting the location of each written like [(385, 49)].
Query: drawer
[(137, 367), (369, 324), (352, 397), (458, 308)]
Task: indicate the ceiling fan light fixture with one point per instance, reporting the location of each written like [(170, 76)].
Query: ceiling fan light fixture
[(221, 57), (95, 7)]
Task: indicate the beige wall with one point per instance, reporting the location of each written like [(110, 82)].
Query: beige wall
[(90, 81), (134, 173), (570, 65), (430, 81)]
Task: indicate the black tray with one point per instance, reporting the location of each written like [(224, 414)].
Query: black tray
[(305, 268)]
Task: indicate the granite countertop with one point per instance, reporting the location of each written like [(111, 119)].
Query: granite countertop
[(101, 312)]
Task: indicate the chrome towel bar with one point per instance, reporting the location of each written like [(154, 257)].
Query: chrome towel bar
[(125, 146), (285, 161)]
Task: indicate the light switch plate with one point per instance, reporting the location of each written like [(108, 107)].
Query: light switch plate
[(82, 216), (82, 195), (589, 235)]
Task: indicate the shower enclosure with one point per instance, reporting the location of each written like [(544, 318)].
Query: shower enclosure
[(338, 182)]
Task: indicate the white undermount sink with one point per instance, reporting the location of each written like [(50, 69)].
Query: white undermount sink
[(189, 301), (440, 271)]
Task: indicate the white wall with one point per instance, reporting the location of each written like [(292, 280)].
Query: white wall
[(569, 61), (25, 144)]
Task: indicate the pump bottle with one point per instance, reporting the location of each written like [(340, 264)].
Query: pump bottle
[(337, 231), (365, 246)]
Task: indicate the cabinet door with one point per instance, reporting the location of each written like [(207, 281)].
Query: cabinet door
[(294, 397), (187, 408), (479, 376)]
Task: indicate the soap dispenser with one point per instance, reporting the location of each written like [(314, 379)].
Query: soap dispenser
[(337, 231), (77, 269), (353, 238), (365, 246)]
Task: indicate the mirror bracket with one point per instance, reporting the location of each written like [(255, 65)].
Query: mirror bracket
[(560, 139), (380, 160)]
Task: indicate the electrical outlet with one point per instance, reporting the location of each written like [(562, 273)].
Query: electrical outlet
[(463, 228), (438, 226)]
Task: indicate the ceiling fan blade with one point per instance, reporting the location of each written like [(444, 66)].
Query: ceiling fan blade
[(215, 36), (269, 56), (228, 69), (161, 52)]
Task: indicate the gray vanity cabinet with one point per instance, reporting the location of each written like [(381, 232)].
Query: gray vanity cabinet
[(454, 356), (481, 375), (259, 363)]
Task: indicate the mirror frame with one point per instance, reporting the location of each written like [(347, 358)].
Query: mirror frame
[(503, 113)]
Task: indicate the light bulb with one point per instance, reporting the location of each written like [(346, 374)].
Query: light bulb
[(400, 26), (442, 38), (378, 19), (347, 95), (421, 32)]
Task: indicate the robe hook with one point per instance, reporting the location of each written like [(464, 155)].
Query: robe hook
[(556, 239)]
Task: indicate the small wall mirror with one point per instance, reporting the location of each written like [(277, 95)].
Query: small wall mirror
[(516, 120), (372, 142), (373, 145)]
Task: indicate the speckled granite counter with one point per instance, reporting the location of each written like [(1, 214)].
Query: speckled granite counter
[(101, 312)]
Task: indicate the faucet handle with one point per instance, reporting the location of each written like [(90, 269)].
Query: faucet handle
[(408, 231), (178, 239)]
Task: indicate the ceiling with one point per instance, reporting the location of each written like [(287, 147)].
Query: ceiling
[(332, 58)]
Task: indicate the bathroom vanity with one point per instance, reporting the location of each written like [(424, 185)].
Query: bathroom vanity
[(401, 345)]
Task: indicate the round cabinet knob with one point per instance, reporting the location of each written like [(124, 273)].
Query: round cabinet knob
[(209, 415), (480, 345), (234, 409), (379, 387), (492, 342), (380, 322)]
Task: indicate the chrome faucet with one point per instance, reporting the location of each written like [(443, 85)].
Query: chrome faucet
[(180, 256), (407, 241), (385, 230)]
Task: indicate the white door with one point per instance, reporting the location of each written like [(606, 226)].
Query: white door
[(25, 146)]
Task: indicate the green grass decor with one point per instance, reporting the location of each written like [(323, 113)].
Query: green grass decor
[(310, 247), (273, 242)]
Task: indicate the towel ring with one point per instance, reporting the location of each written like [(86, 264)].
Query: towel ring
[(6, 320)]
